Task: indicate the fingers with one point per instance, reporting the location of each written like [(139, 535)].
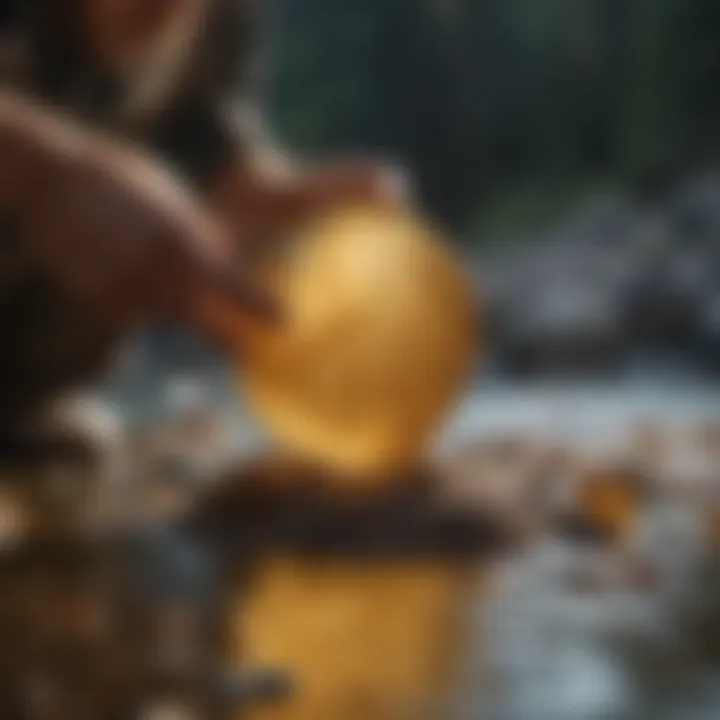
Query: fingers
[(220, 299), (237, 290), (381, 181), (390, 184), (222, 321)]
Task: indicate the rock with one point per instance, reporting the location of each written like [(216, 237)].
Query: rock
[(565, 328)]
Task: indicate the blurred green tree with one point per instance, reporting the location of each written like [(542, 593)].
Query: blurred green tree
[(481, 97)]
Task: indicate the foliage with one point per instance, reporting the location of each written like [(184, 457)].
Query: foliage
[(482, 97)]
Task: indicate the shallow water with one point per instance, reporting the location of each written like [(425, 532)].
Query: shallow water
[(599, 411), (540, 651), (570, 411)]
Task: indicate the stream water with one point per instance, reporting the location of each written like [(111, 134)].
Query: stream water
[(541, 651)]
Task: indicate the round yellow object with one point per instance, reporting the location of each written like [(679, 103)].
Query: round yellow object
[(378, 341)]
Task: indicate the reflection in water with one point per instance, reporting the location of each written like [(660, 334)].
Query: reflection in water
[(364, 640), (572, 633)]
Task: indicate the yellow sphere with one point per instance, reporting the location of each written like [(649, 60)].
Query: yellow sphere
[(378, 341)]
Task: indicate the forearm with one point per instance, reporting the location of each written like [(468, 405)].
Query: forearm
[(33, 145)]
